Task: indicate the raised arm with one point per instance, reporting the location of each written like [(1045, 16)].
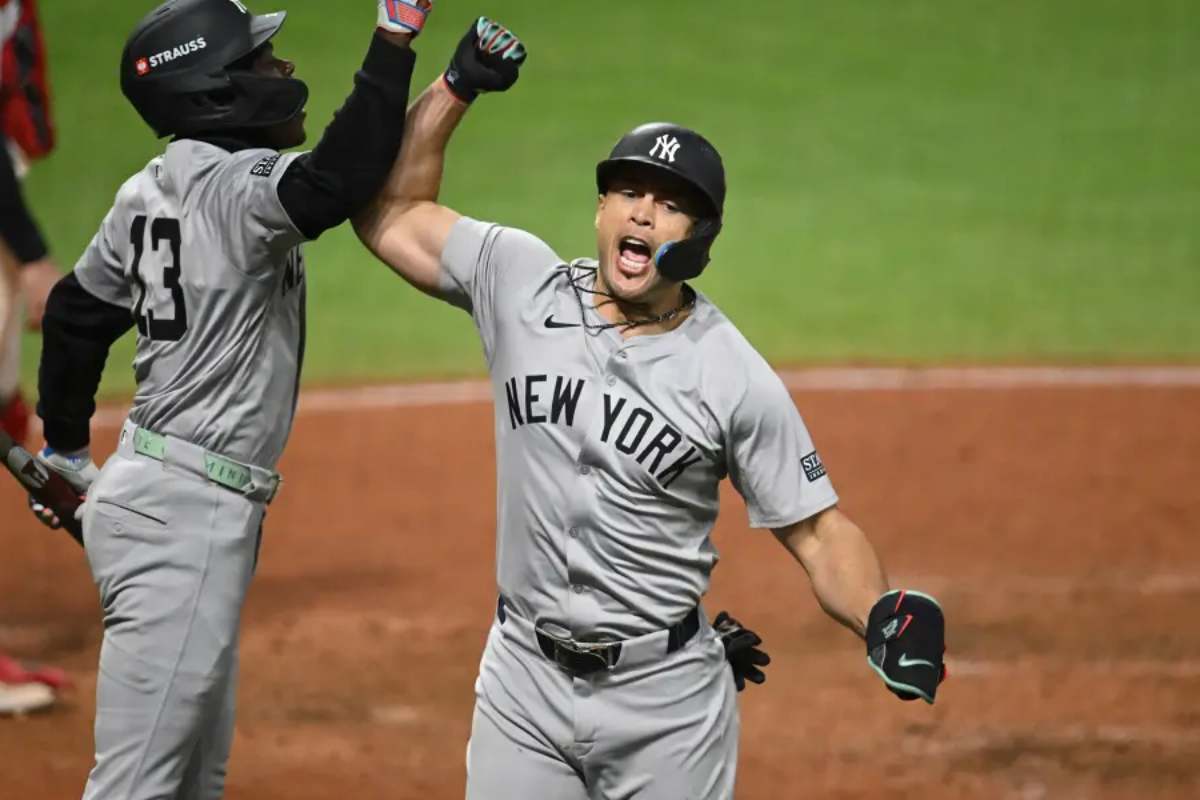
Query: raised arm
[(404, 226)]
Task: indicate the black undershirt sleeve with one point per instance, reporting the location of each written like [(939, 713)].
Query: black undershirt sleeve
[(325, 187), (17, 227), (77, 331)]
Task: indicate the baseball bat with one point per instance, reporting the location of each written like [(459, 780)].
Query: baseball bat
[(47, 487)]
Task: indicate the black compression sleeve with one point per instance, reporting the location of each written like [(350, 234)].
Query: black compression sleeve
[(77, 331), (324, 188), (17, 228)]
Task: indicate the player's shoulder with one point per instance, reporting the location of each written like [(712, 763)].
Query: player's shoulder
[(173, 172), (504, 239), (191, 163), (719, 340), (508, 251), (733, 368), (135, 192)]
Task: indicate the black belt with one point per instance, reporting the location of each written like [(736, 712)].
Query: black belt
[(584, 658)]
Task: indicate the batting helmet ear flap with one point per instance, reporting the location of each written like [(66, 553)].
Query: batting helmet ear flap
[(685, 259)]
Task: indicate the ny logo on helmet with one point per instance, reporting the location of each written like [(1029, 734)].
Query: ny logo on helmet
[(665, 148)]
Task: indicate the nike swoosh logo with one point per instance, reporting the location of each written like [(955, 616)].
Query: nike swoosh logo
[(550, 323), (905, 661)]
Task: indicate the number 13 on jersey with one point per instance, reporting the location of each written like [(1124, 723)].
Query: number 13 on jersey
[(163, 229)]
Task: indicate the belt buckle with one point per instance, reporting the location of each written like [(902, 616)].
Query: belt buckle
[(594, 656)]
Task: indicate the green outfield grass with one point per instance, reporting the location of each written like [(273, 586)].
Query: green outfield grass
[(909, 181)]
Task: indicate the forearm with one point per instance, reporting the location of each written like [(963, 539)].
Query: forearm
[(488, 59), (78, 330), (846, 574), (344, 171), (847, 577), (405, 226), (432, 120), (387, 226), (18, 229)]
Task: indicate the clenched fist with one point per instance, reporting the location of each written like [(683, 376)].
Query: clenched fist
[(488, 59)]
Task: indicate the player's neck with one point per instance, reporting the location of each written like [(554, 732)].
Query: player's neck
[(660, 312)]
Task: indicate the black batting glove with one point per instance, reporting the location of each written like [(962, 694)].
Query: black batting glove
[(488, 59), (906, 642), (741, 650)]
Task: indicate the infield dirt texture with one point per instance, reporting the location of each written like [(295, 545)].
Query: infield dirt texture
[(1055, 524)]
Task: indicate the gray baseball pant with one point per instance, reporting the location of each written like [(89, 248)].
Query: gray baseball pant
[(662, 729), (172, 556)]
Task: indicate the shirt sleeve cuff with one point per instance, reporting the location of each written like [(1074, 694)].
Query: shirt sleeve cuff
[(782, 520)]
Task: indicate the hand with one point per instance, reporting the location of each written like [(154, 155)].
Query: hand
[(906, 642), (741, 650), (77, 468), (488, 59), (37, 279), (403, 16)]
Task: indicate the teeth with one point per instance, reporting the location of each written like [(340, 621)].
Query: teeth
[(633, 266)]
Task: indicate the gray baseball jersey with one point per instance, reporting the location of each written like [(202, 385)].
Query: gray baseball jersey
[(197, 243), (610, 450), (199, 249)]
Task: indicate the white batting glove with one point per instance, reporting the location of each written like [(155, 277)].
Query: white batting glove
[(403, 16), (77, 468)]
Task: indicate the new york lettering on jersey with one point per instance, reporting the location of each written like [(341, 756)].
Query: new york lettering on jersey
[(612, 449), (630, 428)]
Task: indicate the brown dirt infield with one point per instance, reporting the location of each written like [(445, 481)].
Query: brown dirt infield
[(1060, 528)]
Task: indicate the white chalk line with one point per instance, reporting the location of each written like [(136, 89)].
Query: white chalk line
[(408, 395)]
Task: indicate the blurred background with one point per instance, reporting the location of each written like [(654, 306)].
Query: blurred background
[(913, 183), (923, 180)]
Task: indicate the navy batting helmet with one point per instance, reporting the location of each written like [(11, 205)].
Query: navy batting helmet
[(178, 69), (687, 155)]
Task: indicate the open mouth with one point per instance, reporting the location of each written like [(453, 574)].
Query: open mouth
[(633, 256)]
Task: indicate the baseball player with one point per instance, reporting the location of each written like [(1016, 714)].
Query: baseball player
[(622, 398), (27, 272), (201, 252)]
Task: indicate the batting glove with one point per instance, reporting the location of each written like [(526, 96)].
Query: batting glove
[(77, 468), (403, 16), (906, 643), (488, 59), (741, 650)]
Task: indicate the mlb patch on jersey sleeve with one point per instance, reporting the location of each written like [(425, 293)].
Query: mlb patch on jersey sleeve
[(813, 468)]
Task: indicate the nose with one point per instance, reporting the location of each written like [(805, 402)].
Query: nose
[(642, 210), (286, 68)]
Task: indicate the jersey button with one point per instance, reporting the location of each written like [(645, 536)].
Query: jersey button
[(578, 588), (584, 469), (574, 533), (611, 380)]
